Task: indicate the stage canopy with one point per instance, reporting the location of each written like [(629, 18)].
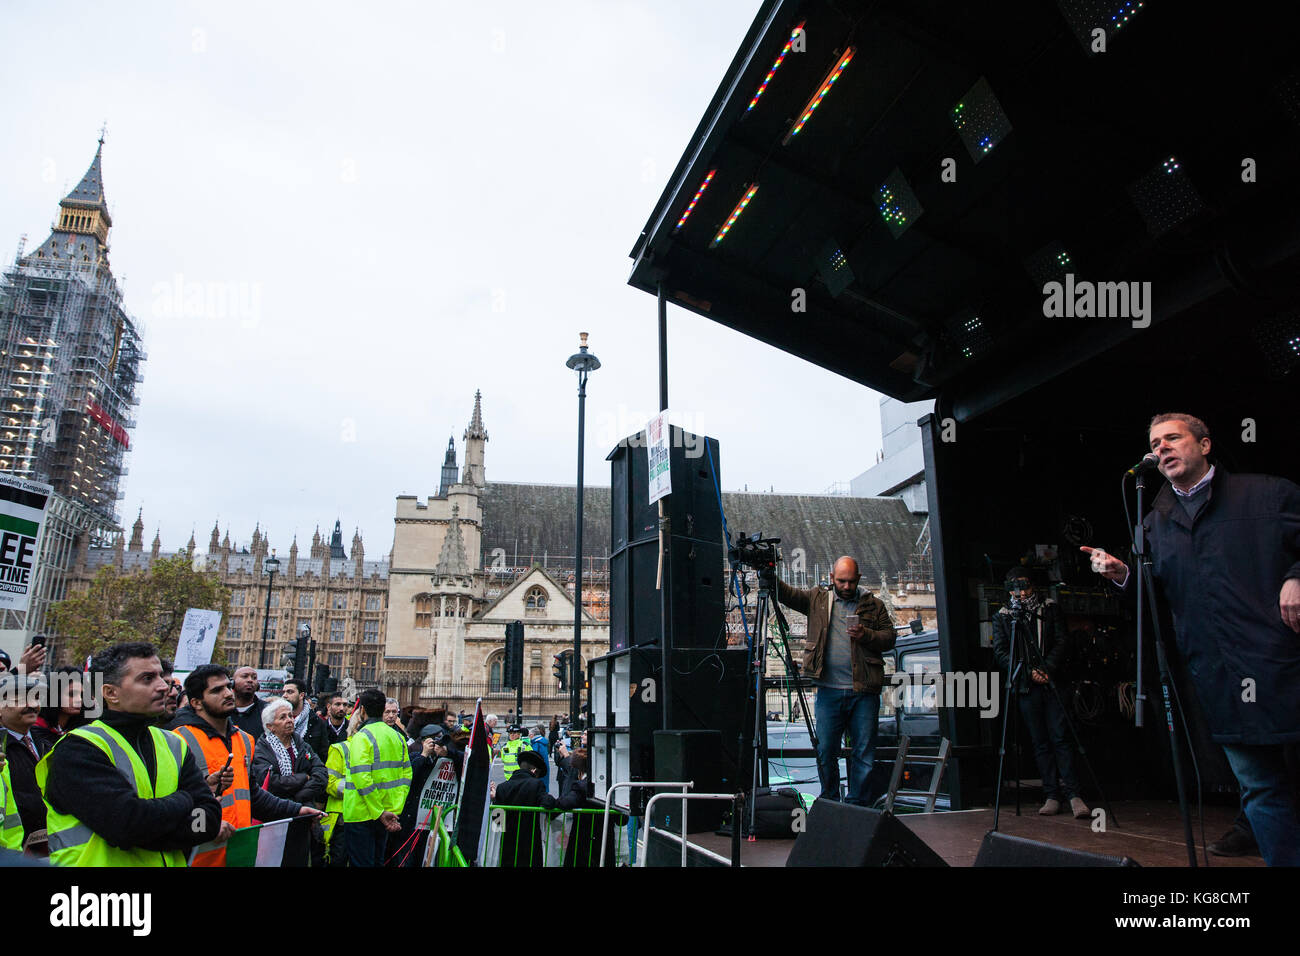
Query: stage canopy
[(920, 169)]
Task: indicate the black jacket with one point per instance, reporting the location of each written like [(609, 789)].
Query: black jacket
[(1221, 575), (1052, 632), (305, 785), (84, 782), (22, 774), (265, 805), (250, 721), (317, 735), (332, 738)]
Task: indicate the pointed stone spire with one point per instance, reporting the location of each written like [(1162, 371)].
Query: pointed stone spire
[(83, 218), (336, 542), (476, 429), (357, 550), (257, 538), (293, 558), (137, 532), (192, 546), (225, 542), (452, 563), (119, 551), (91, 188), (157, 543), (475, 437), (214, 545)]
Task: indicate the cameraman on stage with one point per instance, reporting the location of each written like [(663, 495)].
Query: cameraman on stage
[(1040, 652), (848, 630)]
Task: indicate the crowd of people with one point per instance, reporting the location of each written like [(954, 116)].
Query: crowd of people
[(169, 771)]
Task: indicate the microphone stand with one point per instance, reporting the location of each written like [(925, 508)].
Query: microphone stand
[(1145, 584)]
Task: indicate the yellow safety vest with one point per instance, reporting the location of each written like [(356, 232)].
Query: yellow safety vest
[(510, 755), (336, 763), (11, 825), (72, 843), (378, 773)]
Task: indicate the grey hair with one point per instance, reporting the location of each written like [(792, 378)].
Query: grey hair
[(273, 705), (391, 700)]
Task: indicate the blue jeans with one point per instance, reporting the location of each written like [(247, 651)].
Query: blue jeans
[(367, 841), (1268, 800), (836, 711)]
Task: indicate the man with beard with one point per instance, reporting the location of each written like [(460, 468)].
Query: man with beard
[(848, 630), (1225, 553), (306, 723), (226, 753), (248, 709), (336, 722)]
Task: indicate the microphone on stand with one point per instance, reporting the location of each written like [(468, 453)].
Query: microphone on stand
[(1150, 462)]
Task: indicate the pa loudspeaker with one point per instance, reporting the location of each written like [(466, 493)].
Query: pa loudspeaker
[(841, 834), (1002, 849)]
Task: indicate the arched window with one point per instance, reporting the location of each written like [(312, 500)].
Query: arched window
[(424, 610), (535, 600), (496, 664)]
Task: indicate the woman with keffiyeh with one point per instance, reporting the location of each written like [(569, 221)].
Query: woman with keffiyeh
[(287, 767)]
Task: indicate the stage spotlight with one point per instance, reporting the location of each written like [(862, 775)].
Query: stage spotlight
[(1279, 339), (820, 95), (1049, 264), (735, 214), (1085, 16), (1165, 197), (980, 121), (833, 267), (897, 203), (776, 66), (698, 193)]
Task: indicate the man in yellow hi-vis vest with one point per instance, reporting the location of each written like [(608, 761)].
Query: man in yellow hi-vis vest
[(336, 763), (511, 750), (378, 779), (120, 791)]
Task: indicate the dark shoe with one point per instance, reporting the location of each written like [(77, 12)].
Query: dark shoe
[(1234, 843)]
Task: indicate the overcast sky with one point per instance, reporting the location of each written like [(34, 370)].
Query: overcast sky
[(334, 222)]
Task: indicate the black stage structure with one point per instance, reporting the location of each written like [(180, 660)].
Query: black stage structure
[(966, 155)]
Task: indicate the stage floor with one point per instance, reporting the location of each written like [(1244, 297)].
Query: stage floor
[(1148, 831)]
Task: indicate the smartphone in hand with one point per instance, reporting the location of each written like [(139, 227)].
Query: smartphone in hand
[(853, 620)]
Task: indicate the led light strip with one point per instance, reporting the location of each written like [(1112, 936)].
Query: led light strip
[(698, 193), (822, 90), (735, 214), (776, 66)]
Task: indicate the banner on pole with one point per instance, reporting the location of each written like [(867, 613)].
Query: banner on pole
[(657, 442)]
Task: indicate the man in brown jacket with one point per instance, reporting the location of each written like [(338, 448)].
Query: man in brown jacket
[(848, 630)]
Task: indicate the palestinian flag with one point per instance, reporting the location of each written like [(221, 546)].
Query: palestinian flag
[(261, 845), (475, 797)]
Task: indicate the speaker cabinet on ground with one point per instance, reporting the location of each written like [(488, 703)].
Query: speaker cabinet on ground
[(1002, 849), (841, 834)]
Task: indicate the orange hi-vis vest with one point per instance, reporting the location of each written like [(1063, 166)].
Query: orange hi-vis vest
[(237, 799)]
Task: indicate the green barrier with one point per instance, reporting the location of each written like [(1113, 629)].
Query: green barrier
[(537, 837)]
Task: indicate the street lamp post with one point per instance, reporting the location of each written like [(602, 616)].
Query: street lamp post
[(270, 566), (582, 362)]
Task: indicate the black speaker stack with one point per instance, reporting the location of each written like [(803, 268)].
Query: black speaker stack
[(694, 572)]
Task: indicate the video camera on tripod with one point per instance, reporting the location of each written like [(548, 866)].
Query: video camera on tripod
[(756, 552)]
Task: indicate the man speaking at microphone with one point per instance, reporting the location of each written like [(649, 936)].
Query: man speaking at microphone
[(1225, 553)]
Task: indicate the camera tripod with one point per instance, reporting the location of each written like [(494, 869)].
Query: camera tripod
[(767, 609), (1023, 652)]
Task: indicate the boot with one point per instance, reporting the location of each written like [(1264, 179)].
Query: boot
[(1235, 842), (1080, 809), (1050, 807)]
